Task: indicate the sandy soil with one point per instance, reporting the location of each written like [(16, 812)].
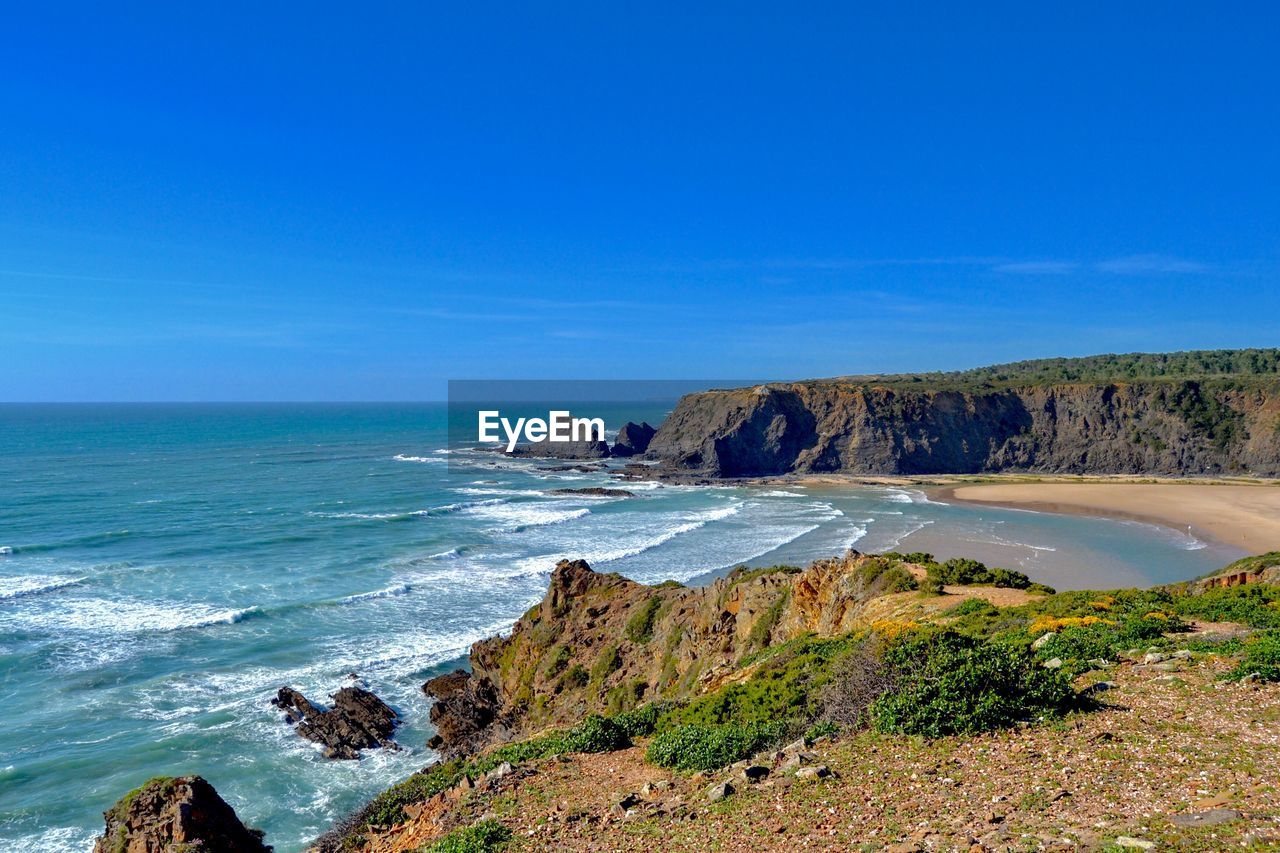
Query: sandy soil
[(1246, 517)]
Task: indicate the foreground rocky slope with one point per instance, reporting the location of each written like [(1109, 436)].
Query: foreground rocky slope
[(1171, 739), (1144, 427), (602, 643)]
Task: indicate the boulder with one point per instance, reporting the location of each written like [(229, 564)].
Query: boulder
[(464, 709), (633, 439), (719, 791), (176, 813), (358, 720)]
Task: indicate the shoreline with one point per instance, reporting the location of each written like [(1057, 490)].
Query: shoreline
[(1237, 514)]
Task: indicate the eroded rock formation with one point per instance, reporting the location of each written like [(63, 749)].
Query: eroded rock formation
[(172, 814), (358, 720)]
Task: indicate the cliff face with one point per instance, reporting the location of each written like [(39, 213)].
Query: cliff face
[(173, 814), (1162, 428), (602, 643)]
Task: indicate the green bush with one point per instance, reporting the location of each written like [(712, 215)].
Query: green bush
[(576, 676), (1078, 644), (701, 747), (387, 809), (609, 662), (973, 607), (558, 660), (641, 722), (487, 836), (1261, 655), (1253, 605), (946, 683), (596, 734), (785, 687), (961, 571), (640, 626)]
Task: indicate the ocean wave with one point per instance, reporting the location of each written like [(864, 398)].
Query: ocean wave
[(779, 493), (544, 563), (857, 533), (472, 490), (401, 457), (96, 615), (5, 550), (894, 543), (57, 840), (74, 542), (516, 518), (388, 592), (17, 587)]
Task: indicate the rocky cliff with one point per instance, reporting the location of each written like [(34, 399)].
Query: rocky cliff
[(1164, 427), (602, 643), (173, 814)]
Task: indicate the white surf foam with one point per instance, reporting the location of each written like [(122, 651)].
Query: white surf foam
[(126, 616), (544, 563), (16, 587), (516, 518), (401, 457), (388, 592)]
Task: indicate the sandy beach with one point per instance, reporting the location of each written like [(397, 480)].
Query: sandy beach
[(1244, 516)]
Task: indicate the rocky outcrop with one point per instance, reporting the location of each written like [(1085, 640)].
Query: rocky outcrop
[(176, 813), (633, 439), (562, 450), (1167, 428), (595, 492), (600, 642), (358, 720), (464, 709)]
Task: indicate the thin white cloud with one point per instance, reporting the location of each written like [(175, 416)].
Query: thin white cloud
[(1146, 264), (1037, 267)]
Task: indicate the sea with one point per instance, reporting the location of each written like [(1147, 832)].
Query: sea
[(164, 569)]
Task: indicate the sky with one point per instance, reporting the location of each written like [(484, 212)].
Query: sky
[(330, 201)]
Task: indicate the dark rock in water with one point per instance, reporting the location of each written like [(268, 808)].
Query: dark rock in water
[(633, 439), (595, 491), (358, 720), (176, 813), (465, 707), (563, 450)]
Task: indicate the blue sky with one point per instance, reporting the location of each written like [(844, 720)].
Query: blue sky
[(336, 201)]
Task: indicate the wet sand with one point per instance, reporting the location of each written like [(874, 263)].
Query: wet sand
[(1246, 517)]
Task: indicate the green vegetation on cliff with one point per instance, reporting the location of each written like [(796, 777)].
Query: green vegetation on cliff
[(1214, 366)]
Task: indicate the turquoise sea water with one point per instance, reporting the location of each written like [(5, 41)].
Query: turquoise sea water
[(164, 568)]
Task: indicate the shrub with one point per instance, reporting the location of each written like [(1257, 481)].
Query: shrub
[(931, 585), (1261, 655), (784, 687), (558, 660), (702, 747), (856, 680), (946, 683), (596, 734), (576, 676), (826, 728), (961, 571), (609, 662), (973, 607), (387, 808), (487, 836), (1253, 605), (640, 626), (641, 722)]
